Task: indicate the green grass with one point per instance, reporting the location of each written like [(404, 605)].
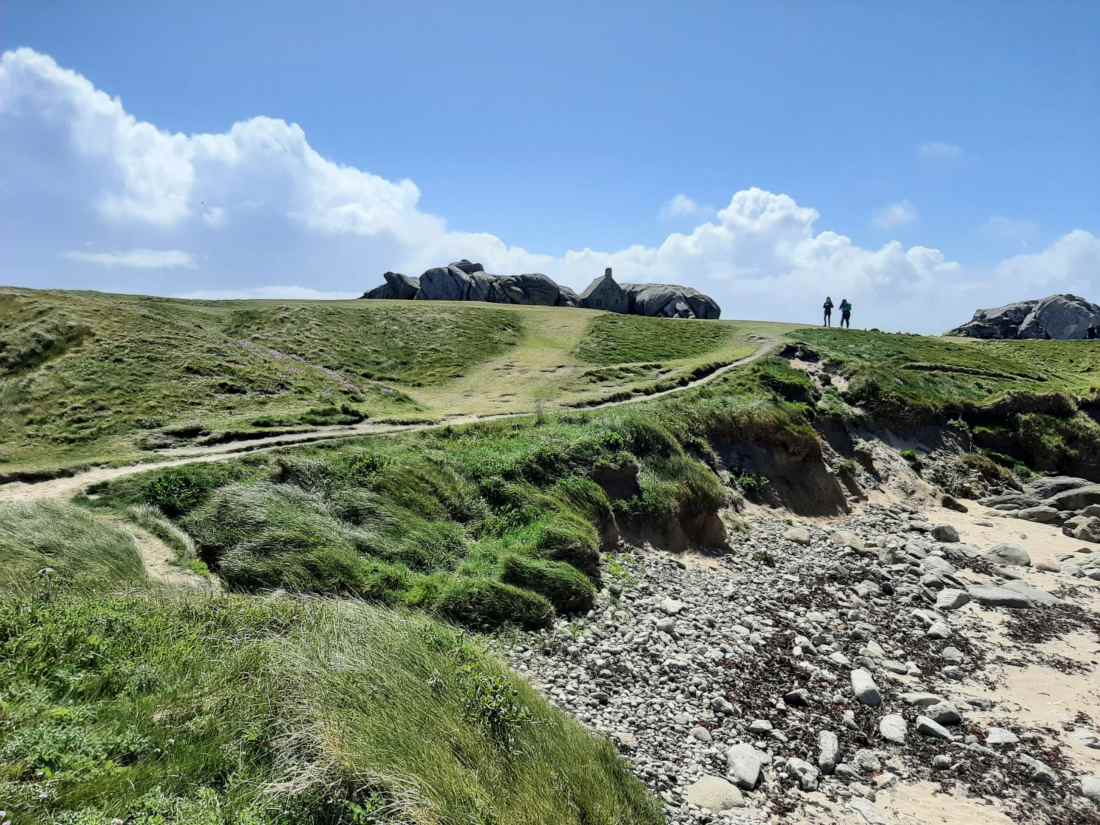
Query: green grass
[(150, 518), (89, 378), (66, 539), (624, 339), (1033, 401), (212, 710), (483, 525)]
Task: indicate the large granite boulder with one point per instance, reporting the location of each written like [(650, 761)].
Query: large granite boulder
[(567, 297), (396, 286), (444, 283), (469, 267), (1057, 316), (1062, 317), (670, 301), (604, 293), (532, 288)]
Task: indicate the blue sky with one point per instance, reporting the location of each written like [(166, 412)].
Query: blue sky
[(923, 160)]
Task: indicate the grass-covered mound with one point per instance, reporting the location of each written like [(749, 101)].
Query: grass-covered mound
[(1034, 401), (483, 525), (156, 708), (68, 542), (623, 339)]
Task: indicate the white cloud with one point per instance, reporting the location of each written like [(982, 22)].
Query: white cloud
[(681, 206), (135, 258), (260, 207), (896, 214), (300, 293), (1070, 264), (939, 150)]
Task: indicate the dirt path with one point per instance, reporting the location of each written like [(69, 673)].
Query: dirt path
[(158, 558), (71, 485)]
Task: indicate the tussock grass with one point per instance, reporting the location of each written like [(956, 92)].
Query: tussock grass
[(68, 540), (624, 339), (229, 709)]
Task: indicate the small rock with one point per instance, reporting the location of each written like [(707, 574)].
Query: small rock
[(941, 761), (1039, 771), (799, 535), (1010, 554), (760, 727), (939, 630), (1000, 736), (928, 727), (713, 793), (921, 700), (1090, 787), (864, 688), (805, 773), (744, 762), (892, 727), (671, 606), (951, 598), (952, 503), (866, 761), (944, 713), (828, 749), (945, 533), (701, 733)]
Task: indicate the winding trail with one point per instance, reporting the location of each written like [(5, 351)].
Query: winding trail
[(68, 486)]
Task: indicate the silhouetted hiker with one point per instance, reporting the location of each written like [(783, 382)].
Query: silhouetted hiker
[(845, 313), (828, 307)]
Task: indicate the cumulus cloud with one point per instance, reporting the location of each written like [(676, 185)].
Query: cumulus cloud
[(895, 215), (258, 206), (681, 206), (135, 258), (939, 150), (1071, 263)]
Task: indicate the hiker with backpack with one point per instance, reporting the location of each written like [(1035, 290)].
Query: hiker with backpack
[(845, 313), (828, 307)]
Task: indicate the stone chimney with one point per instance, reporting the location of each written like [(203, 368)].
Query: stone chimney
[(607, 272)]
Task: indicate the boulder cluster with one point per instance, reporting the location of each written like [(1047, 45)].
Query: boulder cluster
[(1060, 317), (467, 281), (1070, 503)]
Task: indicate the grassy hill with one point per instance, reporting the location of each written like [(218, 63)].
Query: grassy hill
[(90, 377), (126, 701)]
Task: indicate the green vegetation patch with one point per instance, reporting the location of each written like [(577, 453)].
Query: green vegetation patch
[(621, 339), (67, 540), (190, 708)]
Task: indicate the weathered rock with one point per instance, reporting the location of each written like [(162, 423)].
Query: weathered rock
[(951, 599), (930, 727), (1041, 515), (1048, 486), (1062, 317), (1077, 498), (799, 535), (1090, 787), (1000, 736), (864, 687), (944, 713), (828, 750), (1057, 316), (921, 700), (744, 762), (952, 503), (1009, 554), (945, 533), (997, 322), (805, 773), (993, 596), (397, 286), (892, 727), (670, 301), (1038, 771), (713, 793), (1088, 530)]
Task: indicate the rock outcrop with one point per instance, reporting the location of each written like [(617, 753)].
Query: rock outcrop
[(1057, 316), (467, 281)]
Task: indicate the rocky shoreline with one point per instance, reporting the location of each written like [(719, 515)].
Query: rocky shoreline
[(855, 669)]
